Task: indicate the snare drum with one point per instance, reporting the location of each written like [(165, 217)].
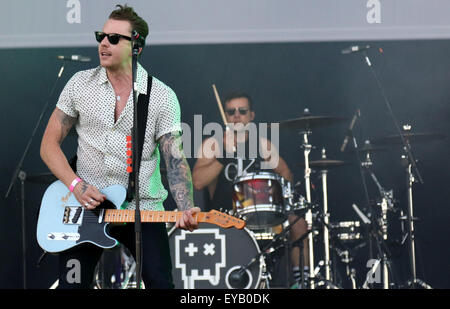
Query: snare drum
[(211, 257), (258, 198)]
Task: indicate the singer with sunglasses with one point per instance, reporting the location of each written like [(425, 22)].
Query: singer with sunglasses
[(215, 171), (99, 103)]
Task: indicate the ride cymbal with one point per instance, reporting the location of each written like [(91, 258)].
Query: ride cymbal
[(411, 137), (324, 164)]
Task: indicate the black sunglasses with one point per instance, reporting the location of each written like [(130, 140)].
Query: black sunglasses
[(113, 38), (241, 110)]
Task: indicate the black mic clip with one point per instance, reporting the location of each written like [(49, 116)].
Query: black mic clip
[(137, 40)]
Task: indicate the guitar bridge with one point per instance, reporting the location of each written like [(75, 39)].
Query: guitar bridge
[(72, 215)]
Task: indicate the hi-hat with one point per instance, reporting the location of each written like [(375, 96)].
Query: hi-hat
[(410, 137), (324, 164), (308, 121)]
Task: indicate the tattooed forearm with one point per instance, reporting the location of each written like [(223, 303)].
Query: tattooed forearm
[(66, 124), (178, 171), (84, 187)]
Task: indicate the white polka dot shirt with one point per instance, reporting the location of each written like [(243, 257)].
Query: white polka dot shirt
[(89, 97)]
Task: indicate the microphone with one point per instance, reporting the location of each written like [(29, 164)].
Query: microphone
[(350, 129), (354, 49), (77, 58), (238, 278), (137, 40)]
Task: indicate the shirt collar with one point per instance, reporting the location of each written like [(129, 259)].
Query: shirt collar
[(141, 78)]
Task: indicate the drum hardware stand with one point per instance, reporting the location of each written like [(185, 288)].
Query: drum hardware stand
[(308, 216), (411, 236), (386, 204), (383, 250), (362, 165), (346, 257), (326, 216)]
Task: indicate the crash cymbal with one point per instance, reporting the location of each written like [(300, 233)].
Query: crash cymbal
[(44, 178), (368, 147), (324, 164), (308, 121), (411, 137)]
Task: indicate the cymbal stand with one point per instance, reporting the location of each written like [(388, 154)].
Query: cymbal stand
[(326, 215), (386, 203), (308, 216), (411, 236)]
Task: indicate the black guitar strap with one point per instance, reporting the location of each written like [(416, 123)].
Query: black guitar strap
[(142, 114)]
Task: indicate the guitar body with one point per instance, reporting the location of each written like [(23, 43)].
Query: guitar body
[(63, 223)]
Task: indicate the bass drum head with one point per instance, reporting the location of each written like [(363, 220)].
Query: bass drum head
[(212, 258)]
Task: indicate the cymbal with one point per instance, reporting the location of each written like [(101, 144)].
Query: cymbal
[(411, 137), (368, 147), (324, 164), (310, 122), (44, 178)]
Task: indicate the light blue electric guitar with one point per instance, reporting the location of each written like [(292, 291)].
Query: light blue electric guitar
[(63, 223)]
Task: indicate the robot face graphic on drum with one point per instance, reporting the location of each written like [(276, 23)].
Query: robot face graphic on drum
[(209, 257)]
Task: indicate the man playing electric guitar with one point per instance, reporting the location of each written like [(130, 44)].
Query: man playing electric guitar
[(99, 103)]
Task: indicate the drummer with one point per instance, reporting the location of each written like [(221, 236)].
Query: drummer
[(215, 171)]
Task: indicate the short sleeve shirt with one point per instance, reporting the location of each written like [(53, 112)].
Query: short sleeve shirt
[(102, 146)]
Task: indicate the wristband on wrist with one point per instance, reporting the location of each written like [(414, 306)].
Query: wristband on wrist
[(74, 183)]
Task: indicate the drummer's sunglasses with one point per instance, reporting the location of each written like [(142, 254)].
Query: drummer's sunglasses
[(113, 38), (241, 110)]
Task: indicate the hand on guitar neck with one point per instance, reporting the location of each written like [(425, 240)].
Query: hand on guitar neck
[(188, 221)]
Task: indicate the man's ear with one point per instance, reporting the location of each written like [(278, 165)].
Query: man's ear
[(252, 115)]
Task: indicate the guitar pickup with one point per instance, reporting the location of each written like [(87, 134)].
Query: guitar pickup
[(72, 215), (63, 236)]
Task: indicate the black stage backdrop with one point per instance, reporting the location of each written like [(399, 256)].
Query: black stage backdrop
[(283, 79)]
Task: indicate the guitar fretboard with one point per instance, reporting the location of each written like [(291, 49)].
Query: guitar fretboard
[(147, 216)]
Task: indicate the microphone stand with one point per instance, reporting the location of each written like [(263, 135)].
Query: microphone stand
[(411, 170), (135, 166), (21, 175)]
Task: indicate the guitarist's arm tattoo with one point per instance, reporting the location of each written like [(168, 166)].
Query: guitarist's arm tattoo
[(178, 171), (66, 124)]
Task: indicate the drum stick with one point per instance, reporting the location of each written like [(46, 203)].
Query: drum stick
[(219, 104)]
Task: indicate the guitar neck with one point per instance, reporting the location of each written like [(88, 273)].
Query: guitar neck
[(147, 216)]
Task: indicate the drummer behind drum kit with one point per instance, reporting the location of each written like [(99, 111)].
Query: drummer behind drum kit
[(210, 257)]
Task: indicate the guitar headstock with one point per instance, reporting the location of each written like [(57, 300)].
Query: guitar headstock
[(224, 220)]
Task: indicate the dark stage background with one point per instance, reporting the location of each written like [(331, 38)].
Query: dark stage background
[(283, 79)]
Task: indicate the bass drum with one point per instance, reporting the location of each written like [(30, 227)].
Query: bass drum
[(212, 258)]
